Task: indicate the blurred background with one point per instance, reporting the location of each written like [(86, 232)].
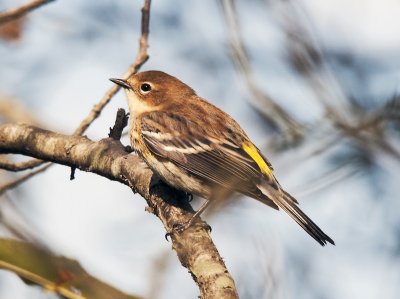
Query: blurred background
[(314, 83)]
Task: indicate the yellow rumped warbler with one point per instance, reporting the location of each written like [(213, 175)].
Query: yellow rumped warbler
[(196, 147)]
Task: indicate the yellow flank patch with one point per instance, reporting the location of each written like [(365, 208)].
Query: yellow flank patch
[(252, 151), (136, 135)]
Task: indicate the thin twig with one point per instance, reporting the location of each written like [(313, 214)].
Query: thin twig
[(272, 111), (20, 180), (15, 13), (141, 58), (307, 58), (10, 166)]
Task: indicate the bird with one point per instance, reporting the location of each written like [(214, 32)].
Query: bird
[(194, 146)]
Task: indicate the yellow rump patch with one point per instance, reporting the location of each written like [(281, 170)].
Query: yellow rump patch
[(252, 151)]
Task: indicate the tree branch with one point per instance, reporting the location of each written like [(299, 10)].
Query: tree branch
[(21, 179), (108, 158), (15, 13), (11, 166), (141, 58), (272, 111)]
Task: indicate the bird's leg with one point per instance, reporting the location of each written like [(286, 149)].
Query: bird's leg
[(219, 194), (182, 227), (198, 213)]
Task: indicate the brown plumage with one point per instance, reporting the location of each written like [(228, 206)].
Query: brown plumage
[(195, 146)]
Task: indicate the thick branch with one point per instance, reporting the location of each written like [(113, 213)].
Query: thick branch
[(108, 158), (141, 58)]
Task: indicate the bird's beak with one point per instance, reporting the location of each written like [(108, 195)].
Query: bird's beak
[(121, 82)]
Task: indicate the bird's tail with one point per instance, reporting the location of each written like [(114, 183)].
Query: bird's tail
[(289, 204)]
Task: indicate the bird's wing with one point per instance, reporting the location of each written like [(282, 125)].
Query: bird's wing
[(223, 161)]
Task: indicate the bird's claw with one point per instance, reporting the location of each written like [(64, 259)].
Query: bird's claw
[(177, 228), (167, 235), (181, 227), (207, 227), (189, 197)]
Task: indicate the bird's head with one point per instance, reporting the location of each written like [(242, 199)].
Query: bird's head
[(150, 90)]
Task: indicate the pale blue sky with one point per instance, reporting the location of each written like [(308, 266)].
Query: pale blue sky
[(61, 68)]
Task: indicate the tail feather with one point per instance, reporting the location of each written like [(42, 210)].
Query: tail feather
[(287, 203)]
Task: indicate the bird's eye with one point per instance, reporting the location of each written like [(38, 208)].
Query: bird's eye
[(145, 88)]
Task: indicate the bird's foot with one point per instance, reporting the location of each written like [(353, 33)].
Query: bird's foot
[(181, 227)]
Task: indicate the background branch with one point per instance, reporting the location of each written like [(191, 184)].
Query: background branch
[(10, 166), (24, 178), (15, 13), (272, 111)]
